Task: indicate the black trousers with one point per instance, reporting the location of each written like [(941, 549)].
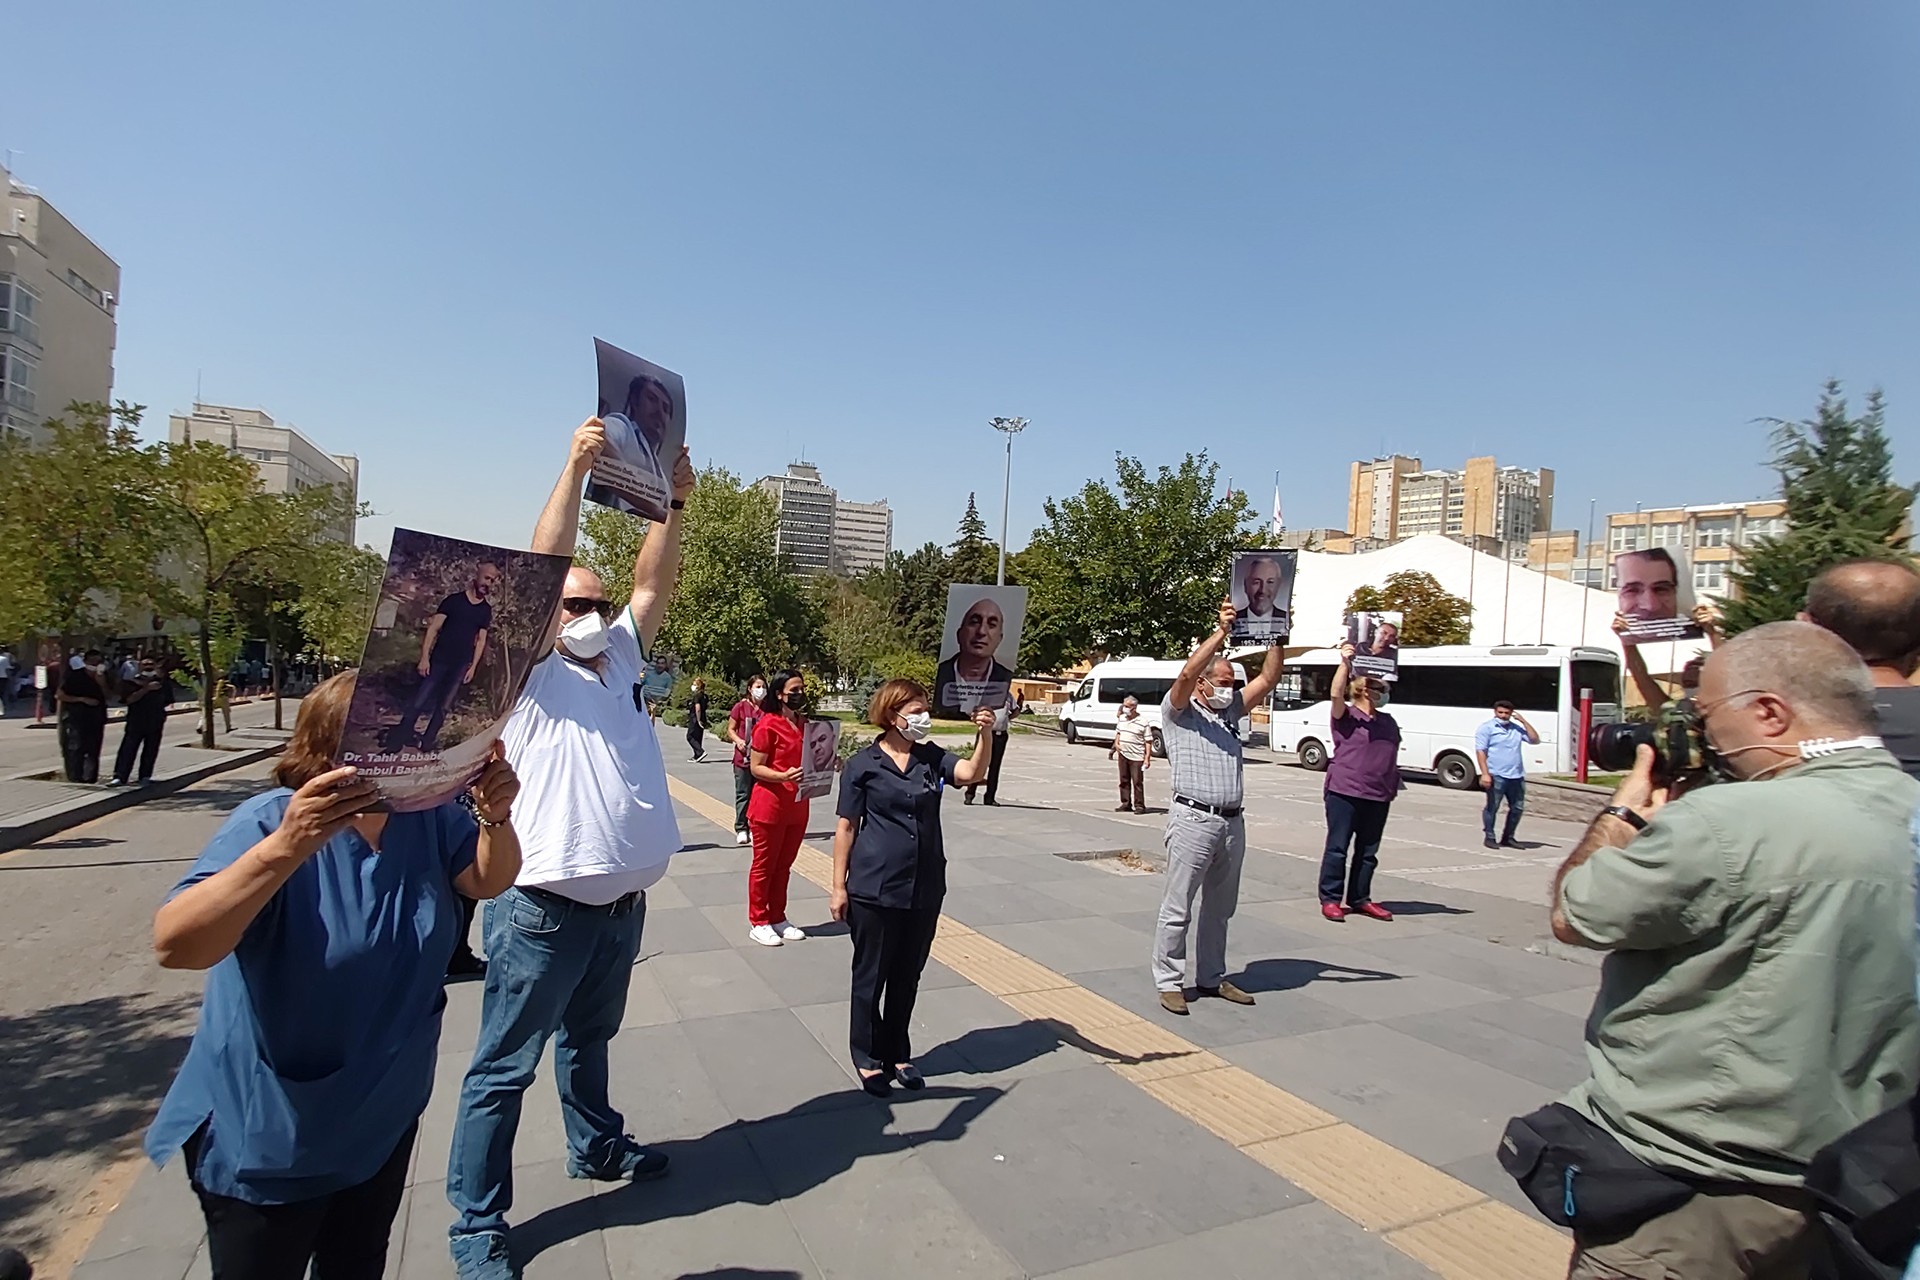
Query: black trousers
[(993, 768), (890, 949), (697, 737), (343, 1235), (82, 731), (142, 739), (463, 947)]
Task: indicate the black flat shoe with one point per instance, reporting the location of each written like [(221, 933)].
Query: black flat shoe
[(877, 1086), (909, 1077)]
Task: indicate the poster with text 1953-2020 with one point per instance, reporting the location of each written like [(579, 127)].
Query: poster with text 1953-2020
[(1260, 589)]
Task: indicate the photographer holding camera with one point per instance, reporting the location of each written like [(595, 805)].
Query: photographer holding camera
[(1758, 998)]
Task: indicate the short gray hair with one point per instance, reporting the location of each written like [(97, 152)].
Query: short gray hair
[(1814, 670)]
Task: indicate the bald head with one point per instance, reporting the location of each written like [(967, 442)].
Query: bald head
[(1873, 605), (1823, 682), (585, 582)]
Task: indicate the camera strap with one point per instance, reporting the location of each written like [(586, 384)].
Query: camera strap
[(1815, 748)]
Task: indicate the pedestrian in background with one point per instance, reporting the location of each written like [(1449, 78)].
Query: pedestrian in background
[(1874, 605), (1002, 720), (777, 814), (697, 720), (323, 928), (740, 721), (82, 699), (1499, 745), (1133, 747), (1206, 832), (147, 695), (1362, 779), (890, 871)]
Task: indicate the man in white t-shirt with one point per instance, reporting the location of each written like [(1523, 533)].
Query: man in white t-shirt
[(596, 830)]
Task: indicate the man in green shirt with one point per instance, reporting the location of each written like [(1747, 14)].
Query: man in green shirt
[(1758, 1001)]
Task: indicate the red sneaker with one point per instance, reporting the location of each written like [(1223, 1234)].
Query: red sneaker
[(1374, 911), (1333, 911)]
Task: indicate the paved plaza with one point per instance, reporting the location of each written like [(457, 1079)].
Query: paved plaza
[(1342, 1127)]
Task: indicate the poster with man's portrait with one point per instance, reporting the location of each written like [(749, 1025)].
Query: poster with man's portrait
[(1260, 588), (1655, 586), (979, 649), (456, 629), (644, 410), (820, 758), (1375, 637)]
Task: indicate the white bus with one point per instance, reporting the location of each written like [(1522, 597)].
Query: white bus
[(1093, 708), (1446, 692)]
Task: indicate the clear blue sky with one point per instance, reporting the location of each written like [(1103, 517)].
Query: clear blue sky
[(1597, 237)]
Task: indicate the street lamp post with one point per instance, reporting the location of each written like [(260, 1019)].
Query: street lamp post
[(1012, 427)]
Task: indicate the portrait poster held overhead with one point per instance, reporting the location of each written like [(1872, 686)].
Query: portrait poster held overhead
[(1260, 588), (1375, 638), (1655, 586), (455, 632), (644, 410), (979, 649), (820, 758)]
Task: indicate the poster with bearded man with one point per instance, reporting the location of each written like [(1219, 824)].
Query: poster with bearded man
[(1261, 589), (979, 649)]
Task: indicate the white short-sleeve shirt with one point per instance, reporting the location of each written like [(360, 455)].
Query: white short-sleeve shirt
[(594, 816)]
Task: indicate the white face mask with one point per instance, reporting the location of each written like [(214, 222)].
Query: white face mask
[(1220, 699), (586, 636), (758, 692), (917, 727)]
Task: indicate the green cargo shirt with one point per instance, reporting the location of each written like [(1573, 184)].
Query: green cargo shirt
[(1758, 1001)]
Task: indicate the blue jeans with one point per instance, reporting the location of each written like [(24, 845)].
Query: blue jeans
[(552, 966), (1514, 791), (1361, 823)]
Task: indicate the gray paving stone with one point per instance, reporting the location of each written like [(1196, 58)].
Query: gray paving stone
[(1432, 1104), (1104, 892), (1073, 946), (1308, 1240), (1518, 1037), (962, 873), (1578, 1001), (714, 889), (713, 1215), (965, 1031), (665, 895), (556, 1232), (151, 1262), (865, 1205), (1214, 1023), (721, 858), (647, 1003), (767, 1064), (811, 972), (658, 1083), (1036, 867), (159, 1211), (1504, 970), (1072, 1167), (710, 984), (680, 931), (1358, 982), (978, 905)]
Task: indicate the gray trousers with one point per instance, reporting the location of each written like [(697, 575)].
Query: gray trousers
[(1204, 857)]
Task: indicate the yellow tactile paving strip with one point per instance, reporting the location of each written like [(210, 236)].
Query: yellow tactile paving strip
[(1435, 1219)]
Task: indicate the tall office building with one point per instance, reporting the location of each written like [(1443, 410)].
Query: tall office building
[(1373, 496), (819, 532), (1393, 498), (58, 295), (287, 461)]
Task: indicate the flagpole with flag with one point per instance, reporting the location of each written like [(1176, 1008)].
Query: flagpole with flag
[(1279, 522)]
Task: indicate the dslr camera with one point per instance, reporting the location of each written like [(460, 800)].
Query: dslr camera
[(1679, 742)]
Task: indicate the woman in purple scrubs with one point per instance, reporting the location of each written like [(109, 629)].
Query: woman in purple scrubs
[(1362, 779)]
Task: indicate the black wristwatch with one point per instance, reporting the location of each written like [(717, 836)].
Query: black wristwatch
[(1627, 816), (676, 505)]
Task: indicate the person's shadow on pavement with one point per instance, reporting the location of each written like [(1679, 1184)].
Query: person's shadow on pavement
[(1290, 974)]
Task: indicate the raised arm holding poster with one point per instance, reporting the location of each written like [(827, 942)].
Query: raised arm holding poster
[(820, 760), (1656, 595), (1375, 638), (1260, 585), (979, 649), (644, 410), (456, 629)]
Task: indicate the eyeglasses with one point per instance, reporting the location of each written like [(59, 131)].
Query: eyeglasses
[(583, 604)]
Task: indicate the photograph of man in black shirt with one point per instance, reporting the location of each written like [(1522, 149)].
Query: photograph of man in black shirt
[(450, 653)]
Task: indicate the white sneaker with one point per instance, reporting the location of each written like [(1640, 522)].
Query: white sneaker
[(764, 935), (791, 932), (741, 837)]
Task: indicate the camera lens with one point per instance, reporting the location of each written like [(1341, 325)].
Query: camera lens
[(1611, 747)]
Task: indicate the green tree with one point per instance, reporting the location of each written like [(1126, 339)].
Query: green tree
[(1138, 567), (972, 557), (1836, 476), (914, 584), (1431, 613), (335, 606), (856, 628), (222, 534), (737, 608), (74, 517)]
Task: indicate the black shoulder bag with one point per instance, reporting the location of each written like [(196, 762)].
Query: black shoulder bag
[(1866, 1187), (1578, 1175)]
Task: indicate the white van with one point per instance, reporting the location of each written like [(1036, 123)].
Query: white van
[(1446, 692), (1093, 708)]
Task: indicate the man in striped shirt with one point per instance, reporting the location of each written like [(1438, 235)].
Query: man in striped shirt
[(1133, 747)]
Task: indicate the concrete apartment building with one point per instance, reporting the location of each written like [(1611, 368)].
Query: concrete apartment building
[(1395, 497), (58, 295), (287, 461), (1712, 535), (1565, 554), (819, 532)]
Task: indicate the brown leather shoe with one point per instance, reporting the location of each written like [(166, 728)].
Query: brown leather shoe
[(1228, 992), (1174, 1002)]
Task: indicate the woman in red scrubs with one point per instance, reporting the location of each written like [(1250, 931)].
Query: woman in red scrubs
[(777, 815)]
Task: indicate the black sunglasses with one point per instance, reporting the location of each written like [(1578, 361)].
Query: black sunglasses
[(583, 604)]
